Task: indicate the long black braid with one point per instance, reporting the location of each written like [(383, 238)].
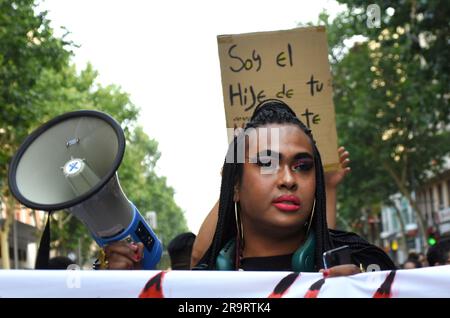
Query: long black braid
[(268, 112)]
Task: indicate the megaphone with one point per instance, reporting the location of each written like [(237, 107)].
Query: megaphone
[(70, 163)]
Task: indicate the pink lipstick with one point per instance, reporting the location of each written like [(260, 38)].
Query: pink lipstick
[(287, 203)]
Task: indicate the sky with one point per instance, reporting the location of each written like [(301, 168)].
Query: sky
[(165, 55)]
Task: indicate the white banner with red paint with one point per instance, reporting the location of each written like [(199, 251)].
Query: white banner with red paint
[(423, 282)]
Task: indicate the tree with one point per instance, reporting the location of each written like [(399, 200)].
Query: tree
[(27, 49), (37, 83), (391, 97)]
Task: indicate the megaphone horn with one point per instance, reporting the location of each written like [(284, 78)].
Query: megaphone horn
[(70, 163)]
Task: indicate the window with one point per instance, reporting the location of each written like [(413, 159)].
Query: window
[(440, 196), (431, 199), (448, 192), (22, 255)]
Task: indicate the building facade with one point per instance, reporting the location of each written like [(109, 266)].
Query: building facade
[(433, 201), (23, 236)]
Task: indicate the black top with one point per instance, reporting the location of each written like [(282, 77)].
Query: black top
[(361, 253), (269, 263)]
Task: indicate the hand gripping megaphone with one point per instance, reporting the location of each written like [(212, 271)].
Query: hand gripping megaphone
[(70, 163)]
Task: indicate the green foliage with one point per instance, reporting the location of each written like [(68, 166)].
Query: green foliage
[(37, 83), (391, 97), (27, 49)]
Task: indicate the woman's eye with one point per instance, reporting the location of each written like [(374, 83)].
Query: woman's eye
[(303, 165)]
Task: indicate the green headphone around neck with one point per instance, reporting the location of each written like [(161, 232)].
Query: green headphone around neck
[(302, 260)]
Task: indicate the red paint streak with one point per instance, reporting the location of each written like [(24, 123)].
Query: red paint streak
[(153, 288), (283, 286)]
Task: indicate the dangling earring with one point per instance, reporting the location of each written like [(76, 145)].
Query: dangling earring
[(239, 235), (308, 223)]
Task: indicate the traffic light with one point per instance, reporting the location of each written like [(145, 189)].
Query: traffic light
[(432, 237), (431, 240)]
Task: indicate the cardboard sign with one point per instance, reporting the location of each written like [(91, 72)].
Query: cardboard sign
[(289, 65)]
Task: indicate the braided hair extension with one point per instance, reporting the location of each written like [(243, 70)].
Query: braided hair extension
[(270, 111)]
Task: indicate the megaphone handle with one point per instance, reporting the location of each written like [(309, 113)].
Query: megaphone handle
[(152, 245), (139, 231)]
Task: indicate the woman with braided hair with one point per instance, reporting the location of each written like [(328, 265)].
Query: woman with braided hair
[(272, 206), (332, 180)]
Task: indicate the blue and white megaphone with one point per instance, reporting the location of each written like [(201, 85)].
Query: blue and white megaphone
[(70, 163)]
